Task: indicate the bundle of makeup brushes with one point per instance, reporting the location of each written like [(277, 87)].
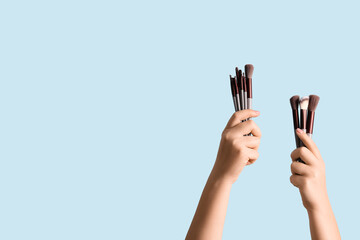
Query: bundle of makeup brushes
[(308, 106), (241, 88)]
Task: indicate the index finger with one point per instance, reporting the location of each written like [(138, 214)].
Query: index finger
[(249, 127), (238, 116), (308, 142), (304, 154)]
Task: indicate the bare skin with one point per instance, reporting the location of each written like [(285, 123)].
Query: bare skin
[(311, 181), (235, 152)]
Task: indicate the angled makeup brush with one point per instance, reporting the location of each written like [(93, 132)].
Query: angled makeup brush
[(313, 102), (233, 92), (304, 102), (240, 87), (249, 70), (294, 103), (245, 92)]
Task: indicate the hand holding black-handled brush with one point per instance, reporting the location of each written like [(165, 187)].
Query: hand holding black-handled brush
[(307, 114)]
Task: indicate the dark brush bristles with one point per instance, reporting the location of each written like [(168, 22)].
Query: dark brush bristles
[(232, 85), (249, 70), (236, 86), (294, 102), (238, 78), (313, 102), (237, 72)]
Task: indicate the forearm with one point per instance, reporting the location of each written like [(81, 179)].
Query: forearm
[(323, 223), (208, 222)]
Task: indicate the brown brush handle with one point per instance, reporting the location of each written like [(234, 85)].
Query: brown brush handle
[(310, 122), (296, 125)]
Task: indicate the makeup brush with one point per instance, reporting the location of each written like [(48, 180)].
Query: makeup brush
[(240, 87), (304, 102), (233, 92), (313, 102), (242, 92), (249, 70), (245, 92), (237, 92), (294, 103)]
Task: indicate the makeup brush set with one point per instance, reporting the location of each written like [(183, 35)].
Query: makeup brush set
[(308, 106), (241, 88)]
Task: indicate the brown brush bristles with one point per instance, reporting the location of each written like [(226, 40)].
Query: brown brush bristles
[(313, 102), (249, 69), (294, 102), (237, 72)]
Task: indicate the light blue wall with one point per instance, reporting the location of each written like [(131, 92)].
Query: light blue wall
[(111, 114)]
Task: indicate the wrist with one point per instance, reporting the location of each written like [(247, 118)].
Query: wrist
[(322, 205), (220, 179)]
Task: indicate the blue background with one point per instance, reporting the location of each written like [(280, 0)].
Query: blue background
[(111, 114)]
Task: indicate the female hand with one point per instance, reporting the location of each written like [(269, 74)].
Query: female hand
[(236, 148), (309, 177)]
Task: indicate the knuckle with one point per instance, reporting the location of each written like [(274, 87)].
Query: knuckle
[(292, 154), (292, 179), (302, 151), (226, 135), (237, 114), (292, 166), (251, 123)]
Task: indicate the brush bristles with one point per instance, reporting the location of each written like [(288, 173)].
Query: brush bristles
[(249, 70), (304, 102), (232, 85), (313, 102), (294, 102)]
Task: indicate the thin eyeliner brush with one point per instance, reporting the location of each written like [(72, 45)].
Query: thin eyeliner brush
[(233, 93), (242, 91), (245, 92), (237, 93), (240, 88)]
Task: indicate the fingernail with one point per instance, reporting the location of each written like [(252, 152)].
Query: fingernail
[(257, 112), (299, 131)]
